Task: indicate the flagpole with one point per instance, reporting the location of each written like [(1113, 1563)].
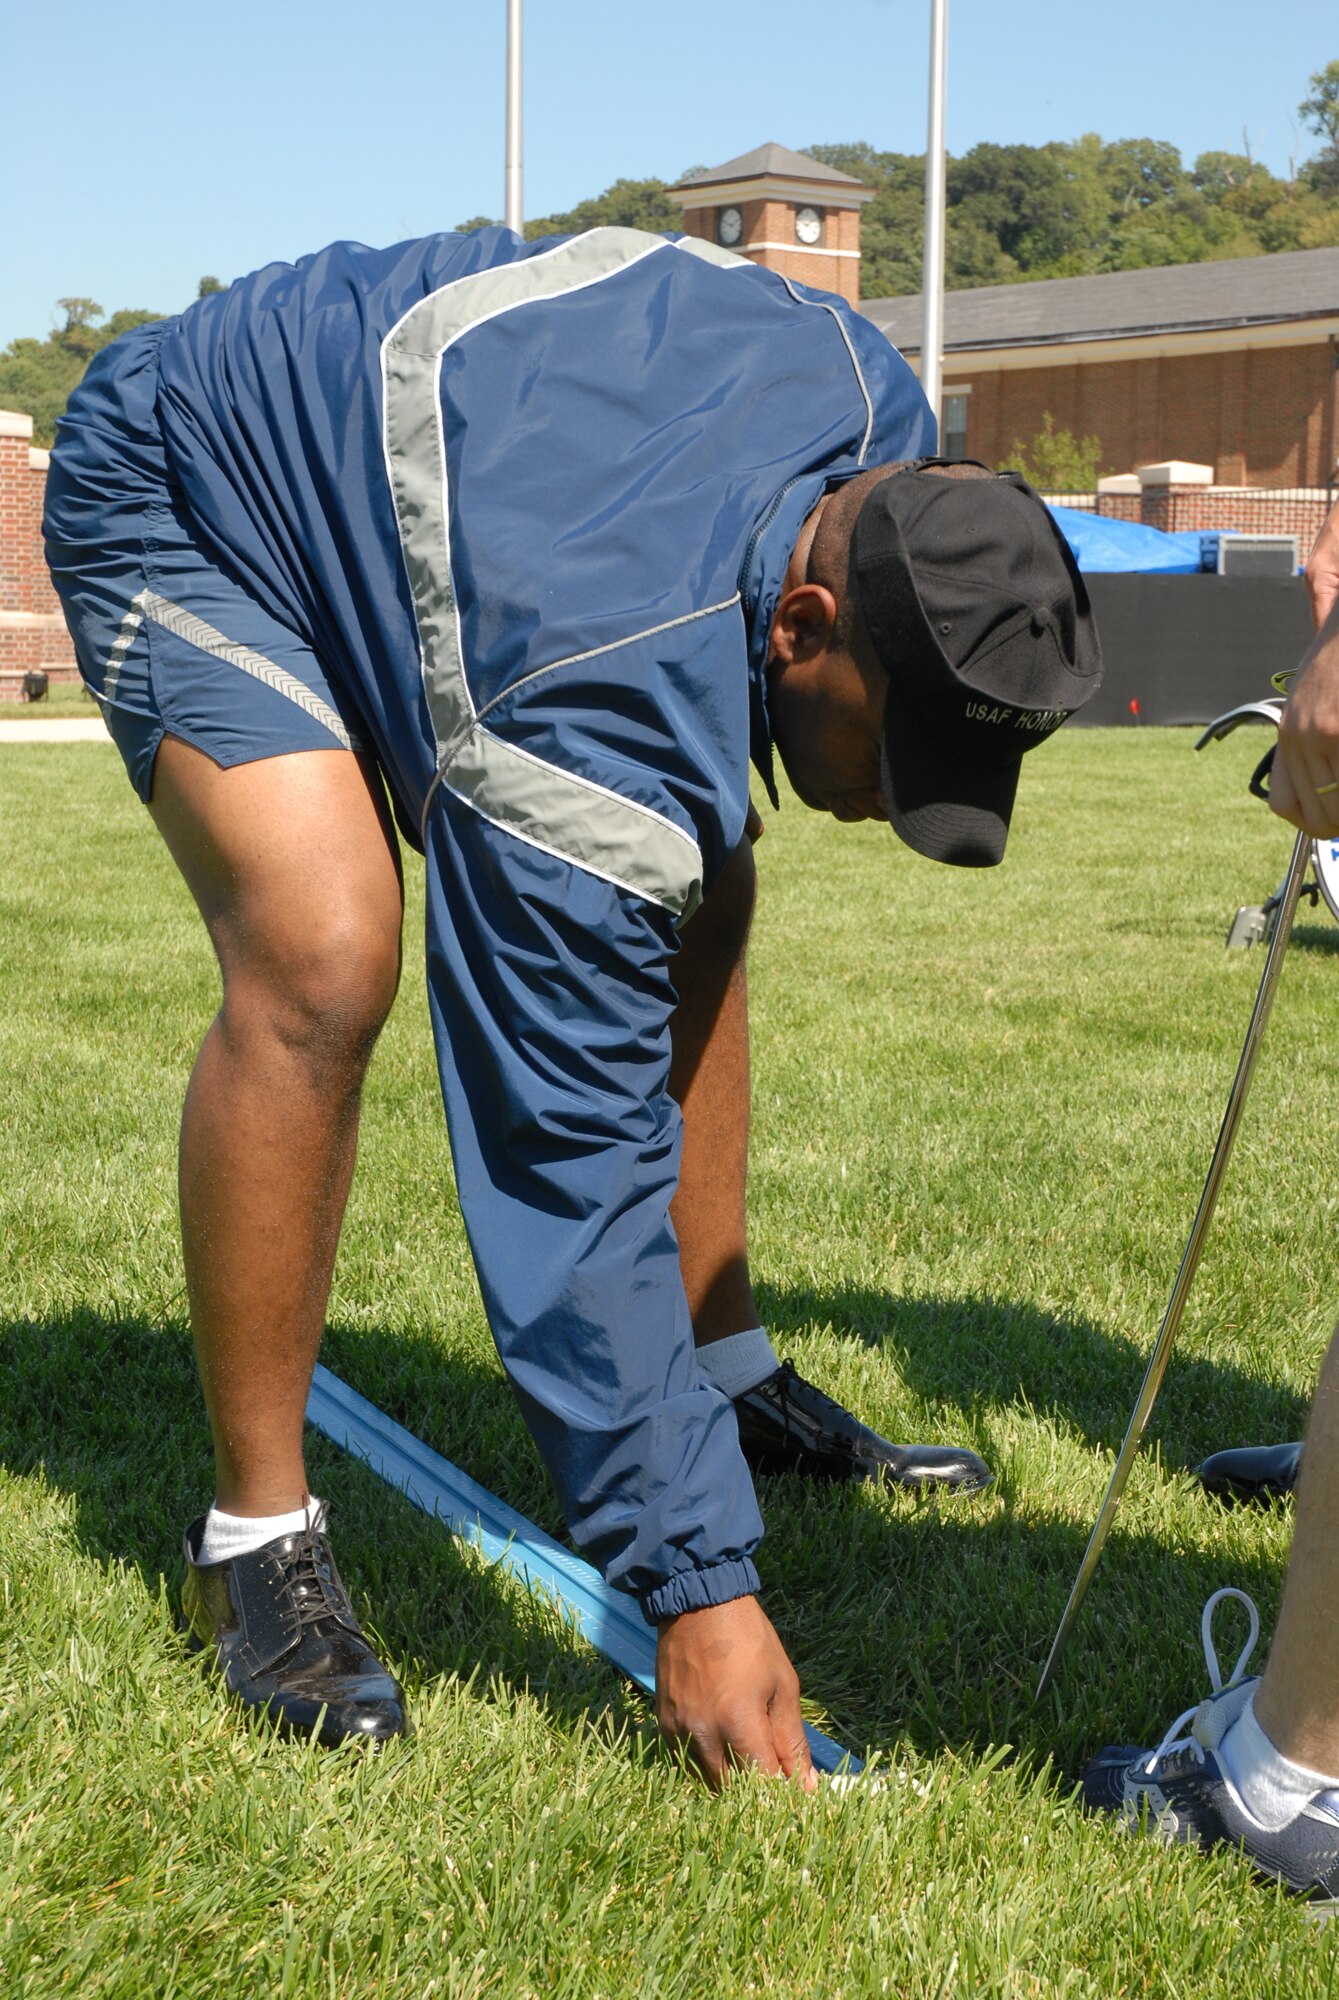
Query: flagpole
[(932, 293), (514, 212)]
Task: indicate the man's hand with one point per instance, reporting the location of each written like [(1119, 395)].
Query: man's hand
[(726, 1690), (1304, 786)]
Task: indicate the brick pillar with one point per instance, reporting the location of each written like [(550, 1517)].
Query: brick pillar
[(32, 630), (15, 541), (1167, 487)]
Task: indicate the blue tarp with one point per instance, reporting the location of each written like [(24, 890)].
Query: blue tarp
[(1102, 544)]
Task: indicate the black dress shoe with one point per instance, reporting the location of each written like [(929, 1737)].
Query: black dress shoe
[(1253, 1472), (284, 1638), (787, 1425)]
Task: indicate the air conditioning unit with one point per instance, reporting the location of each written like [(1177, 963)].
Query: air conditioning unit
[(1257, 555)]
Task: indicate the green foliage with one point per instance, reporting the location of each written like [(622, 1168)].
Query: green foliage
[(1057, 461), (1077, 207), (208, 286), (37, 376), (625, 205), (1320, 113), (628, 204), (892, 225)]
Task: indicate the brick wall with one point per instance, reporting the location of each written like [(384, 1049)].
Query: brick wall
[(1111, 506), (32, 630), (1262, 417), (1251, 510), (1257, 510)]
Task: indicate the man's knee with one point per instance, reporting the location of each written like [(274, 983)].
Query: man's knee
[(293, 865), (320, 991)]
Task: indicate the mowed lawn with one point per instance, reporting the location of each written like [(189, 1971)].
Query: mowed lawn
[(984, 1106), (64, 701)]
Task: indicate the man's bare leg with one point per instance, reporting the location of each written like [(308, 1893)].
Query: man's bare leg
[(786, 1425), (293, 864), (1259, 1770), (1297, 1702), (709, 1078)]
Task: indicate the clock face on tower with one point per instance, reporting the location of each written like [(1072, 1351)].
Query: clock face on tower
[(809, 225), (730, 225)]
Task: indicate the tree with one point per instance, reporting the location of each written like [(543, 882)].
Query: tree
[(628, 204), (37, 376), (208, 286), (79, 333), (1040, 211), (892, 225), (1057, 461), (1065, 209), (1320, 114)]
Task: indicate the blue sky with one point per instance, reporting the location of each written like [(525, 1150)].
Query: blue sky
[(152, 142)]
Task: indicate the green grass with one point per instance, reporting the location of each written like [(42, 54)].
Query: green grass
[(984, 1106), (62, 701)]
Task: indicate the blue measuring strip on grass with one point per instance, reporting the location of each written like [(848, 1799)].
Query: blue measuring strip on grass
[(612, 1622)]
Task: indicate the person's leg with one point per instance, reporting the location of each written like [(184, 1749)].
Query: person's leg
[(292, 861), (709, 1078), (1258, 1768), (785, 1423), (1297, 1703)]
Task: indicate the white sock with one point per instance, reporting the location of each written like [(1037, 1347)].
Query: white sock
[(739, 1362), (1273, 1788), (227, 1536)]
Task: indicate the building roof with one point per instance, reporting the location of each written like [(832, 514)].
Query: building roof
[(774, 160), (1175, 298)]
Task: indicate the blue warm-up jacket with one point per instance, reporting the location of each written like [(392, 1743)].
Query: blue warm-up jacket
[(532, 504)]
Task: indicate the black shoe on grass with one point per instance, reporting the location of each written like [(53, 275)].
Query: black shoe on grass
[(285, 1640), (787, 1425), (1252, 1472), (1181, 1792)]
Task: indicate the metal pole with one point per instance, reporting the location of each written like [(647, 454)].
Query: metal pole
[(932, 298), (514, 213), (1162, 1349)]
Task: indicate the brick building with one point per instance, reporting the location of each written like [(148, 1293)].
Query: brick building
[(1214, 388), (32, 631), (1228, 371)]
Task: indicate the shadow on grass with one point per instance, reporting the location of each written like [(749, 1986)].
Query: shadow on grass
[(927, 1623), (988, 1352), (110, 1410), (915, 1622), (1320, 938)]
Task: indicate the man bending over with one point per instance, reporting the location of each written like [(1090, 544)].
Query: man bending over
[(544, 541)]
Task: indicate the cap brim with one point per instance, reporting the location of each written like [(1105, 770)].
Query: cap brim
[(939, 804)]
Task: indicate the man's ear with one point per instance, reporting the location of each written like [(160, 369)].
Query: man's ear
[(803, 623)]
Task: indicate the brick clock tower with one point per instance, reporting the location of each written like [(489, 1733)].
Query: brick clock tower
[(784, 211)]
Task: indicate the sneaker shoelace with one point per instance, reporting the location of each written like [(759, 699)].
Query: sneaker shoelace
[(1173, 1741)]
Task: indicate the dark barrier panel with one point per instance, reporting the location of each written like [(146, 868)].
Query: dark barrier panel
[(1185, 648)]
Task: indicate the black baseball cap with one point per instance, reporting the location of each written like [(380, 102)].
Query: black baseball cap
[(980, 618)]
